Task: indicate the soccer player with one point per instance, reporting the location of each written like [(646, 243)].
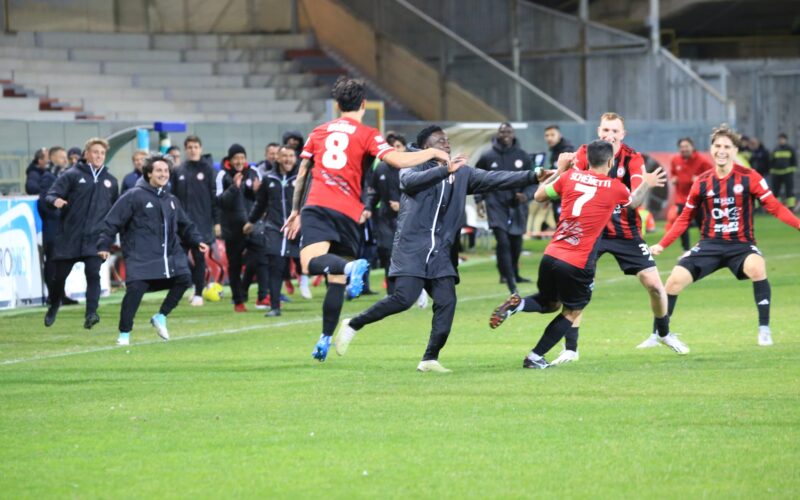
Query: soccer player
[(726, 197), (152, 227), (430, 221), (333, 208), (566, 271), (85, 194), (685, 168), (194, 185), (622, 236), (507, 210)]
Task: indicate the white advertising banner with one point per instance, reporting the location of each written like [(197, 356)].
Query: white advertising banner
[(20, 268)]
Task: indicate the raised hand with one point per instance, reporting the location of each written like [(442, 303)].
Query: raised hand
[(656, 178)]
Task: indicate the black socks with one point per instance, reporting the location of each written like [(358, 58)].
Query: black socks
[(327, 264), (332, 307), (763, 296)]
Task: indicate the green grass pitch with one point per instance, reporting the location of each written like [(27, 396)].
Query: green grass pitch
[(234, 406)]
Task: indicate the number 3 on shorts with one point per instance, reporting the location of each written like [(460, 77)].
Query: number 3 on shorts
[(588, 194), (335, 157)]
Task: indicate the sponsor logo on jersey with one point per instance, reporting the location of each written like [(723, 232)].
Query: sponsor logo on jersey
[(620, 171), (518, 163), (82, 181), (710, 192), (272, 184), (341, 127), (738, 189), (107, 183), (200, 176), (382, 177), (149, 205)]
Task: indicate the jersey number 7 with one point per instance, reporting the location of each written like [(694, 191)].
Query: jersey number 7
[(588, 194)]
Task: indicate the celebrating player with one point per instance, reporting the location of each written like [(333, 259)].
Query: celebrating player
[(566, 271), (726, 197), (333, 208)]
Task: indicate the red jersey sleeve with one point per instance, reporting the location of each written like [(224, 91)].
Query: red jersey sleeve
[(580, 162), (309, 146), (376, 145), (636, 168), (683, 221)]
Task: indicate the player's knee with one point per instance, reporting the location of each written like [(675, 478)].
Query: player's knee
[(337, 279), (755, 268), (551, 307)]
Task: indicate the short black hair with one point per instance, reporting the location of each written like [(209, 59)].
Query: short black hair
[(397, 137), (349, 93), (425, 133), (687, 139), (173, 148), (53, 150), (147, 168), (190, 138), (552, 127), (272, 145), (599, 152), (39, 154)]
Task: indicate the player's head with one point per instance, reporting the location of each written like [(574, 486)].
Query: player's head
[(95, 151), (138, 158), (156, 170), (552, 135), (755, 143), (433, 136), (397, 141), (686, 146), (612, 129), (287, 158), (783, 139), (74, 155), (349, 93), (506, 134), (600, 155), (175, 153), (724, 145), (237, 157), (193, 147), (58, 156), (271, 152)]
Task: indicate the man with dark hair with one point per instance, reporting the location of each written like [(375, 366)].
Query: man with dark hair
[(270, 160), (237, 185), (133, 177), (685, 168), (85, 194), (35, 171), (154, 260), (74, 154), (333, 207), (782, 169), (507, 210), (726, 195), (759, 157), (193, 185), (50, 217), (429, 223), (174, 152), (566, 271)]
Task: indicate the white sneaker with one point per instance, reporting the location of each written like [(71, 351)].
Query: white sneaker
[(196, 301), (674, 343), (651, 341), (124, 339), (191, 297), (432, 366), (343, 337), (565, 357), (764, 336), (305, 290), (422, 301)]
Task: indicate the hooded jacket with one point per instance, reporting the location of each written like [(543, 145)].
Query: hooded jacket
[(89, 195), (33, 178), (235, 203), (503, 209), (274, 204), (431, 211), (193, 183), (152, 225)]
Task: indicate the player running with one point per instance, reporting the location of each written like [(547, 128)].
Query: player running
[(566, 271), (726, 198), (339, 150)]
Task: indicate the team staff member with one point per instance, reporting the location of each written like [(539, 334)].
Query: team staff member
[(782, 169), (622, 236), (726, 196), (429, 223), (333, 208), (274, 199), (85, 194), (193, 185), (384, 205), (236, 184), (507, 210), (566, 272), (152, 225), (685, 168), (50, 217), (130, 180)]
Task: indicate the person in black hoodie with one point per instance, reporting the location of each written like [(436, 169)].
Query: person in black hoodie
[(152, 226), (237, 185), (274, 199), (193, 184), (85, 194), (431, 210), (507, 210), (50, 217), (35, 171)]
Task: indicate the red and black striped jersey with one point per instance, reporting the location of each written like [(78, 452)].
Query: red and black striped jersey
[(628, 167), (726, 204)]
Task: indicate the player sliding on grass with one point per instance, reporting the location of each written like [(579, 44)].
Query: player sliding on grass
[(333, 209), (726, 198), (566, 271), (431, 209)]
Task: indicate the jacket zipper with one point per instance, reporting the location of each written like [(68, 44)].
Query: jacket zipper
[(433, 227)]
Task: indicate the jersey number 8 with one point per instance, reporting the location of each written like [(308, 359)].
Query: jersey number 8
[(335, 157)]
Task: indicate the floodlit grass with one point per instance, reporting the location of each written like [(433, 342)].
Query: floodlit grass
[(234, 405)]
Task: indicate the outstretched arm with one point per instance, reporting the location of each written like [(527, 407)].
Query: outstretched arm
[(410, 159)]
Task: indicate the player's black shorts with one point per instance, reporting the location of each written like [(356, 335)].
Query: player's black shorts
[(709, 255), (565, 283), (632, 255), (325, 224)]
